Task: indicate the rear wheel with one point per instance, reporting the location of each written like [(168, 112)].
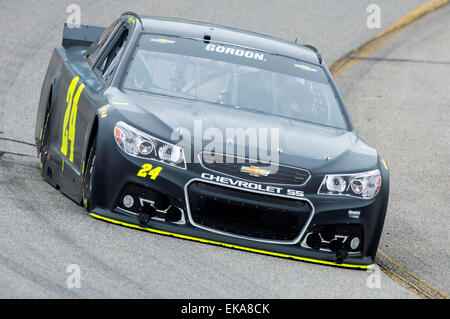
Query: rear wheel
[(88, 179), (43, 138)]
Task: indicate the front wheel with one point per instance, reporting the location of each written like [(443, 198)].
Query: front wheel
[(88, 179)]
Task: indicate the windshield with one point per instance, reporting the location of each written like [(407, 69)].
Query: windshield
[(236, 77)]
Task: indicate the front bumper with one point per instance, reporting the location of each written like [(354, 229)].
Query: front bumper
[(115, 171)]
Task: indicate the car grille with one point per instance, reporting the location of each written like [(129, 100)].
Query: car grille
[(249, 214), (231, 165)]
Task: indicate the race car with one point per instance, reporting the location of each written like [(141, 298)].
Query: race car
[(212, 134)]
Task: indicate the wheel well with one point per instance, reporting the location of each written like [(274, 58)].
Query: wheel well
[(49, 100), (92, 137), (39, 135), (48, 104)]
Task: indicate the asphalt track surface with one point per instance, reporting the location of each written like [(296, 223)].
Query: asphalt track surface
[(400, 103), (400, 107)]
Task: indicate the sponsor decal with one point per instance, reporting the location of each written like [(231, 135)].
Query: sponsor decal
[(252, 186), (235, 51), (104, 111), (354, 213)]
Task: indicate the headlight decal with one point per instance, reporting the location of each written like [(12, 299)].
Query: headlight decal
[(361, 185), (139, 144)]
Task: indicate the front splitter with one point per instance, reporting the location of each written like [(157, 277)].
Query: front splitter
[(193, 234)]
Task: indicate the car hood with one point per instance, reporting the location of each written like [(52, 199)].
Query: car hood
[(301, 144)]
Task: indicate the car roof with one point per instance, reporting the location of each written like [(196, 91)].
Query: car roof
[(228, 35)]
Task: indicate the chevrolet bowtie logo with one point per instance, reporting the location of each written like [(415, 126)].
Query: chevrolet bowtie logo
[(255, 171)]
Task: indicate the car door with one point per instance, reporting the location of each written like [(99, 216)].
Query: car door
[(79, 97)]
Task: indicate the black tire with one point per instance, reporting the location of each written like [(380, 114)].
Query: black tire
[(88, 179), (43, 140)]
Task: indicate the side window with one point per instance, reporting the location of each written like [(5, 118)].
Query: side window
[(110, 57), (97, 47)]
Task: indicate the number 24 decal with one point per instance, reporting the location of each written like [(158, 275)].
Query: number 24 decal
[(147, 170), (70, 117)]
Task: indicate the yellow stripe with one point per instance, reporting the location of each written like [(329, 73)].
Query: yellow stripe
[(229, 245), (385, 36), (384, 163), (368, 148)]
